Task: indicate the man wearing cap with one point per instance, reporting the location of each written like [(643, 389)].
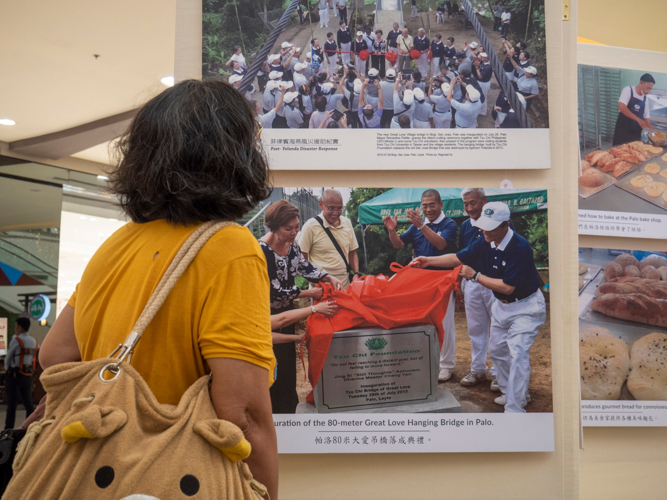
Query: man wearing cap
[(471, 51), (468, 110), (508, 269), (323, 5), (359, 44), (369, 36), (342, 10), (373, 95), (269, 96), (511, 120), (434, 235), (309, 66), (633, 113), (422, 44), (388, 98), (526, 83), (329, 93), (330, 48), (405, 44), (293, 114), (405, 105), (266, 119), (300, 77), (423, 115), (368, 116), (392, 36), (438, 53), (235, 81), (483, 73), (280, 121), (344, 39), (442, 109)]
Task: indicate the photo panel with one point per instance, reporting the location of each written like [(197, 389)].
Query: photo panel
[(623, 143), (623, 337), (412, 359), (465, 84)]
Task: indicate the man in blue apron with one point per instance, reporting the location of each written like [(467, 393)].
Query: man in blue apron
[(633, 111), (518, 309)]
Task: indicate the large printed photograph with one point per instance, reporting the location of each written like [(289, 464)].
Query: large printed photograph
[(623, 337), (408, 300), (386, 64)]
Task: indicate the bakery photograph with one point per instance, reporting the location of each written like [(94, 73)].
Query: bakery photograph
[(622, 324), (622, 139)]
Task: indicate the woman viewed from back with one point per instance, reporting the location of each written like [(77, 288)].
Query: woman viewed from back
[(190, 156)]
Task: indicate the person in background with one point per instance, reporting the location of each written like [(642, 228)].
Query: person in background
[(285, 262), (369, 36), (19, 362), (190, 155), (323, 5), (359, 44), (319, 233), (434, 235), (501, 108), (633, 113), (287, 318), (505, 19), (319, 116), (342, 10), (344, 40), (422, 44), (368, 117), (293, 113), (404, 122), (440, 13), (373, 96), (518, 310), (299, 78), (299, 10), (387, 86), (423, 115), (438, 53), (330, 55), (237, 56), (450, 52), (405, 44), (392, 36), (442, 109), (526, 83), (497, 15), (468, 110), (413, 9), (483, 72), (511, 120), (417, 82), (403, 106), (263, 75), (379, 49)]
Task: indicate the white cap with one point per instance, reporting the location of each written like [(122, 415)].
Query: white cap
[(287, 85), (235, 78), (357, 86), (300, 66), (419, 94), (473, 93), (275, 75), (290, 96), (474, 45), (272, 85), (360, 33), (285, 45), (444, 87), (273, 57), (309, 55), (493, 214), (483, 54), (373, 72), (408, 97), (531, 69), (298, 49), (326, 87), (391, 73)]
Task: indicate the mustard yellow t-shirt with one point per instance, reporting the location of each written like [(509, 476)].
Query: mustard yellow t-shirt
[(218, 309)]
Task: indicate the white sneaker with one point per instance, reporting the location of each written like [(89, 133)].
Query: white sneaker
[(494, 385), (500, 400), (444, 375), (472, 379)]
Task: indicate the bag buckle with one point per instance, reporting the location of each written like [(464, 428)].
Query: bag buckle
[(122, 352)]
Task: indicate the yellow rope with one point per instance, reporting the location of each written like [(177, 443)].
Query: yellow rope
[(28, 442)]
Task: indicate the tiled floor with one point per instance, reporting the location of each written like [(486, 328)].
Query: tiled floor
[(20, 416)]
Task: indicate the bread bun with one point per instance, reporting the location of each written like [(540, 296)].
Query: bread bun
[(655, 189), (641, 181), (591, 178), (626, 259), (653, 260), (632, 271), (613, 270), (650, 273), (583, 268), (604, 363), (648, 360)]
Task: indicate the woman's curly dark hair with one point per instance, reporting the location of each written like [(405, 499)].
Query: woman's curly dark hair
[(191, 155)]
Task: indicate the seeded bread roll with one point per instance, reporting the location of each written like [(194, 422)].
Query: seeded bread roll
[(648, 360), (604, 363)]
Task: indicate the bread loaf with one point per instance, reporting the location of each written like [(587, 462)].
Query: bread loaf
[(653, 260), (613, 270), (657, 292), (591, 178), (650, 273), (648, 361), (633, 307), (632, 271), (626, 259), (604, 363)]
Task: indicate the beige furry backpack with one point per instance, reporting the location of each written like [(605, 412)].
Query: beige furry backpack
[(105, 436)]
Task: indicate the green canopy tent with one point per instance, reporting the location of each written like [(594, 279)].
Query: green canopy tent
[(398, 200)]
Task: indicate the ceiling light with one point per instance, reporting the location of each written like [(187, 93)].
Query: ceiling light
[(168, 81), (7, 121)]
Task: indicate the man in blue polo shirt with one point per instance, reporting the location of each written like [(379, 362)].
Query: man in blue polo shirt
[(508, 269), (435, 235)]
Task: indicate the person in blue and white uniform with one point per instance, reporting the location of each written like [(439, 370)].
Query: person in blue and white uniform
[(518, 310), (468, 110), (633, 113), (434, 236), (483, 73)]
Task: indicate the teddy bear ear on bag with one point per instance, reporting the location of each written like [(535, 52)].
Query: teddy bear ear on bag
[(226, 437), (94, 422)]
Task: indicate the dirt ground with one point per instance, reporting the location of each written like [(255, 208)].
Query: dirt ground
[(301, 36), (479, 399)]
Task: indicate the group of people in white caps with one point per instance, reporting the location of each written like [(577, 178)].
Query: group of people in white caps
[(367, 79), (504, 305)]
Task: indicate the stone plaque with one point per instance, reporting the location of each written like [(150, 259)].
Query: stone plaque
[(372, 368)]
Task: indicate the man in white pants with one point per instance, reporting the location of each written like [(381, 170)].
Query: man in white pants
[(423, 45), (518, 310), (435, 235), (344, 39), (483, 72), (358, 45), (323, 5)]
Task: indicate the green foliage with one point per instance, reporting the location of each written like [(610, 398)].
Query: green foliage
[(301, 282), (534, 227), (531, 29)]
